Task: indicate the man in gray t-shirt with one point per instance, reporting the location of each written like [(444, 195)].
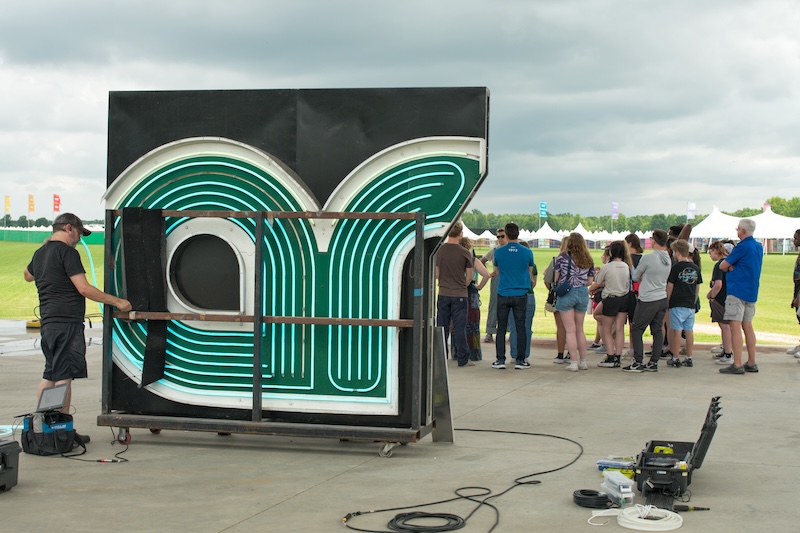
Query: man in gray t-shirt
[(652, 274)]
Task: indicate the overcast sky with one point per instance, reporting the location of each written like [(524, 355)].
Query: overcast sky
[(650, 104)]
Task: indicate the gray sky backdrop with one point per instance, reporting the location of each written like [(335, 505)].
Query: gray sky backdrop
[(651, 104)]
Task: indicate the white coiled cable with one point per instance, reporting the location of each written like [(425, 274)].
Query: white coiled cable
[(649, 518)]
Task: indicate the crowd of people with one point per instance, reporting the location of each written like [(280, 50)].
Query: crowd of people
[(660, 291)]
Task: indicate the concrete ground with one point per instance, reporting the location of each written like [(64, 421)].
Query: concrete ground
[(181, 481)]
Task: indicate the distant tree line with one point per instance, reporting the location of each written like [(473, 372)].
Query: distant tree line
[(475, 219), (25, 222)]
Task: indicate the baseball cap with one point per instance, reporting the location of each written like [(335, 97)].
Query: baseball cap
[(72, 220)]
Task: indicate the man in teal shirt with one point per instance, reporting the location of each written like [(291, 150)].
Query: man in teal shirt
[(514, 266)]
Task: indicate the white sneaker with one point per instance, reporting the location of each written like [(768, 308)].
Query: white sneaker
[(794, 351), (725, 359), (572, 367), (582, 365), (601, 350), (717, 349)]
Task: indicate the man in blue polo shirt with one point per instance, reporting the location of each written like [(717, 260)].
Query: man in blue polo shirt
[(743, 267), (514, 266)]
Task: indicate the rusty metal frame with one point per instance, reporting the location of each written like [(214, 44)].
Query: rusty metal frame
[(418, 428)]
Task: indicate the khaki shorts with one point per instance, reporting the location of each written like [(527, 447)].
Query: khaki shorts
[(739, 310)]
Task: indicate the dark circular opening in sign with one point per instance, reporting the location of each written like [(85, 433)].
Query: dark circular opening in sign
[(205, 273)]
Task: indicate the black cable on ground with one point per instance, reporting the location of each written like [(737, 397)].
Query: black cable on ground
[(480, 496), (591, 499), (116, 459)]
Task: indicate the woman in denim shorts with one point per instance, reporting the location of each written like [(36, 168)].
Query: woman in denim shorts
[(576, 267)]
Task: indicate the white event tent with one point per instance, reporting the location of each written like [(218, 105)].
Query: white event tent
[(717, 225), (546, 232), (769, 225)]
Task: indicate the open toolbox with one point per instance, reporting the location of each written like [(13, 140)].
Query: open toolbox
[(667, 466)]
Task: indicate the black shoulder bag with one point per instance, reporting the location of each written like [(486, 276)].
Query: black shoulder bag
[(564, 287)]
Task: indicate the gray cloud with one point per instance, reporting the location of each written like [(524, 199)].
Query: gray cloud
[(649, 104)]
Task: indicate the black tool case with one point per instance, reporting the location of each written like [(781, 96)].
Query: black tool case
[(9, 464), (658, 470)]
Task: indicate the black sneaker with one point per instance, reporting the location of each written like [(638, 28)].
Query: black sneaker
[(666, 354), (611, 361), (687, 361), (674, 362), (80, 441), (522, 365), (748, 368), (651, 367), (634, 367), (731, 369), (500, 365)]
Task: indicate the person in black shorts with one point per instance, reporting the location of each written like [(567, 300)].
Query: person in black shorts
[(61, 282)]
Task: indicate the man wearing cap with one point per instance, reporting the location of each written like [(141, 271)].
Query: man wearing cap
[(61, 281)]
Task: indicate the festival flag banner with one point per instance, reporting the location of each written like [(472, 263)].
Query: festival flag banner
[(543, 209), (56, 203), (8, 204), (691, 211), (614, 210), (31, 204)]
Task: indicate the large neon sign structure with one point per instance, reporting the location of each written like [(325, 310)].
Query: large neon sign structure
[(342, 268)]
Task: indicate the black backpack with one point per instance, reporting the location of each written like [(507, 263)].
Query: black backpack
[(49, 434)]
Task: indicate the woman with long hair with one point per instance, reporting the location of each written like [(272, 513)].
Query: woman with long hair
[(575, 267), (615, 280)]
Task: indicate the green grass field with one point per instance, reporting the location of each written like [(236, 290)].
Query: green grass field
[(773, 314), (19, 299)]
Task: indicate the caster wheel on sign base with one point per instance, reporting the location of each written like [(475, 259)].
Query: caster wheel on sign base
[(387, 448), (124, 436)]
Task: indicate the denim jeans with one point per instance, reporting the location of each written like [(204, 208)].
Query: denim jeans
[(454, 308), (530, 310), (506, 305)]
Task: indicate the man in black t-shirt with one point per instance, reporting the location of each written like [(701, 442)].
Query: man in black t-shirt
[(61, 281)]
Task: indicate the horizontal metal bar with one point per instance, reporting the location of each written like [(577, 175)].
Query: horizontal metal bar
[(335, 215), (308, 320), (371, 433)]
